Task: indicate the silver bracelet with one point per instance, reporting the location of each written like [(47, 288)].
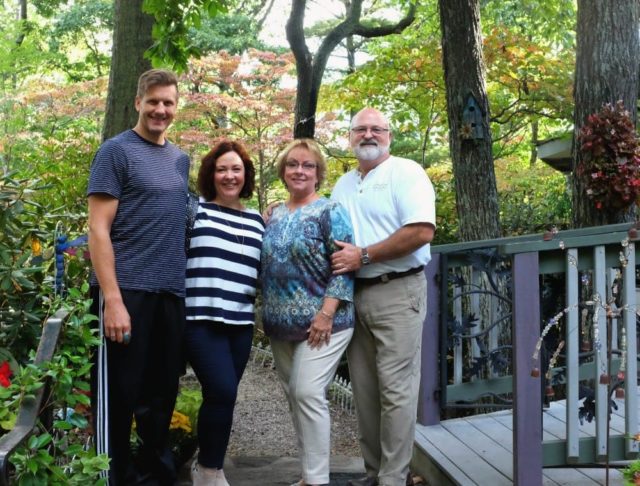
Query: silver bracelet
[(326, 314)]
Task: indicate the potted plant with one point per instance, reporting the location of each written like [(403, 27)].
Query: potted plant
[(610, 162)]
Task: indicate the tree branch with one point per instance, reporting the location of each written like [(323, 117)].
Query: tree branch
[(295, 33), (382, 30)]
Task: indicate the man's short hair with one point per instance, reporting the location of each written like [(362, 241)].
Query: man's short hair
[(155, 77)]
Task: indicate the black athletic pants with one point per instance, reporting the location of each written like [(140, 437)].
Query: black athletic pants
[(139, 380)]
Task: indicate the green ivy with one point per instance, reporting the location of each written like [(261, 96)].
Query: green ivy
[(61, 455)]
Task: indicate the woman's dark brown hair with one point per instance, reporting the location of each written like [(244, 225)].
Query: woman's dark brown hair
[(206, 185)]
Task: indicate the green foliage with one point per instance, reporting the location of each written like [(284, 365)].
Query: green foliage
[(78, 39), (48, 8), (441, 176), (20, 275), (404, 79), (532, 198), (527, 83), (234, 33), (58, 456), (551, 22), (631, 474), (173, 19), (25, 382), (529, 77), (20, 59), (188, 403), (52, 132), (46, 147)]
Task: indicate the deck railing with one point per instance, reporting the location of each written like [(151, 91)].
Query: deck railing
[(33, 407), (518, 322)]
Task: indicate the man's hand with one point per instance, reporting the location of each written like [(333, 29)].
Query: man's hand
[(266, 215), (117, 323), (347, 259)]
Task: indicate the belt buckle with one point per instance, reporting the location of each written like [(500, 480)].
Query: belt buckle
[(384, 278)]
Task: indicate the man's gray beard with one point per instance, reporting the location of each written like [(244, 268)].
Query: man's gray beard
[(370, 152)]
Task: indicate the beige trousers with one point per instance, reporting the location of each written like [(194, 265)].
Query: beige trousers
[(384, 365), (305, 375)]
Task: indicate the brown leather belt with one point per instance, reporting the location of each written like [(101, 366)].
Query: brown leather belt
[(386, 277)]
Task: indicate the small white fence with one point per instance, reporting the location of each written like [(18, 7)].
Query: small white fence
[(340, 392)]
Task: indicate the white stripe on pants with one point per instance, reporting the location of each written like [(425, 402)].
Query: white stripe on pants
[(102, 419), (306, 374)]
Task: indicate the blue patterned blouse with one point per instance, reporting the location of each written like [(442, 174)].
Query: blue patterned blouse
[(296, 269)]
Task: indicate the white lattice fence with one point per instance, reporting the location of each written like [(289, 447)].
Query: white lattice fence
[(340, 392)]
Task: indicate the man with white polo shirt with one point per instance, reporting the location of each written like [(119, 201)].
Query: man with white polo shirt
[(391, 203)]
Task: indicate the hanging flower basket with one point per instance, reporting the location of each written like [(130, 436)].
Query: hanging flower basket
[(610, 163)]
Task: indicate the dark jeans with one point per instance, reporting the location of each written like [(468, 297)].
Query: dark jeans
[(218, 354), (140, 380)]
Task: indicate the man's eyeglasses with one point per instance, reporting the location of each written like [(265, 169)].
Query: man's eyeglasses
[(306, 166), (374, 130)]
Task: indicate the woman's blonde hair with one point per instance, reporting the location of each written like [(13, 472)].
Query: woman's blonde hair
[(313, 147)]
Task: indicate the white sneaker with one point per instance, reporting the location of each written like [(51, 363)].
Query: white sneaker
[(204, 476), (220, 479)]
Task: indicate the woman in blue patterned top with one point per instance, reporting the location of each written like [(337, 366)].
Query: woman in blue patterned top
[(307, 311), (222, 272)]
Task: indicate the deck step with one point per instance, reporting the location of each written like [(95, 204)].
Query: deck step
[(478, 451)]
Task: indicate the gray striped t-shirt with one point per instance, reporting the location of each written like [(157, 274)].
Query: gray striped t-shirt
[(150, 182)]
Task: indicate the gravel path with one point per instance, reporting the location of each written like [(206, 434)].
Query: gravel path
[(262, 425)]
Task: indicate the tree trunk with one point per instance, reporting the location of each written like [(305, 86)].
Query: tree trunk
[(464, 74), (22, 15), (310, 68), (131, 38), (606, 72)]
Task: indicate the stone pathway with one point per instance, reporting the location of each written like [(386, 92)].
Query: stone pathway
[(262, 449)]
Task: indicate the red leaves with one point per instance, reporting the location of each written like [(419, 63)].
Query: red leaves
[(610, 165)]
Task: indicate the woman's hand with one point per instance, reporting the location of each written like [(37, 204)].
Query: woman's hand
[(320, 329)]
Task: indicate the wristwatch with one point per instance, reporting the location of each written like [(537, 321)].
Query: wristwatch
[(364, 257)]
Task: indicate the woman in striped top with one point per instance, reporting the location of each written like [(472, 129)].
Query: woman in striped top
[(222, 272)]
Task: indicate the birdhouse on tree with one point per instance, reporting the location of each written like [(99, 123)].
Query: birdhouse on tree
[(472, 128)]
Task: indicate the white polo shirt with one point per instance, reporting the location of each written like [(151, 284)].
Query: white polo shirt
[(396, 193)]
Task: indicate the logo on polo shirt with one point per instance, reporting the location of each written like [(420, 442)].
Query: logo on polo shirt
[(379, 187)]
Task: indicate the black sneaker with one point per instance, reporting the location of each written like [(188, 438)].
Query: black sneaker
[(365, 481)]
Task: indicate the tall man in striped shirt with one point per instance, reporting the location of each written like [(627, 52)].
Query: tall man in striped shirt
[(137, 208)]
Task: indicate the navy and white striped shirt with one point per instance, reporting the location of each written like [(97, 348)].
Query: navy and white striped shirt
[(147, 233), (223, 264)]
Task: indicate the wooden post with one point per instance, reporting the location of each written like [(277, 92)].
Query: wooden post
[(527, 403), (630, 384), (429, 405), (572, 350)]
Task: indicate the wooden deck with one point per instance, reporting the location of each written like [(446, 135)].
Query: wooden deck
[(477, 450)]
